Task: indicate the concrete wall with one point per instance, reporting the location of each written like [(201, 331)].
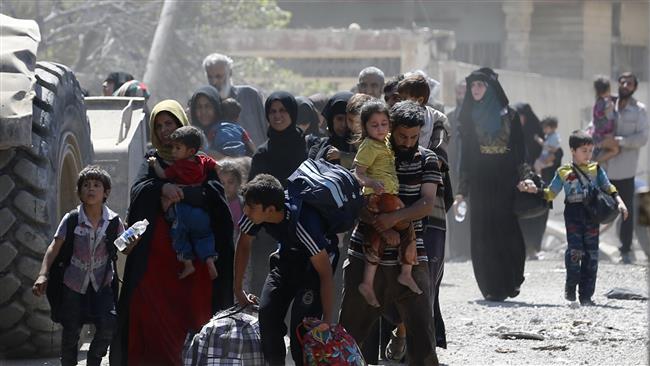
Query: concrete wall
[(473, 20), (556, 39), (570, 100)]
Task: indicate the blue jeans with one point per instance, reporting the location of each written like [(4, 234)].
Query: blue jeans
[(581, 256), (191, 232)]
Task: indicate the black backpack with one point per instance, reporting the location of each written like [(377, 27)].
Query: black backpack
[(54, 289), (601, 207), (331, 189)]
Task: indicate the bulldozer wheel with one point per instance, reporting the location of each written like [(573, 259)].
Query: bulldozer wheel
[(37, 187)]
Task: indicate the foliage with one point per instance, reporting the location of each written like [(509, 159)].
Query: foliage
[(268, 76), (96, 37)]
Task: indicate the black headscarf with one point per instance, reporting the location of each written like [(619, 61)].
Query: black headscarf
[(289, 103), (284, 151), (307, 113), (118, 78), (336, 105), (530, 128), (212, 94)]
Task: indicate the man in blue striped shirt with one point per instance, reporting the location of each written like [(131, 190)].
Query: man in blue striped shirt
[(301, 270)]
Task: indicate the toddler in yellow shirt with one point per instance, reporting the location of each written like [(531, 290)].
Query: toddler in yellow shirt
[(375, 169)]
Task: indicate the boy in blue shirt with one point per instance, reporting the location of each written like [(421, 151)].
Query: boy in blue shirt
[(581, 256), (300, 271)]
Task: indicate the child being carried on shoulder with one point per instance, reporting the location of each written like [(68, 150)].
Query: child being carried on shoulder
[(191, 231), (581, 256), (375, 170)]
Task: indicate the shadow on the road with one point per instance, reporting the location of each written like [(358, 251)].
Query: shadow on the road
[(514, 304), (607, 306)]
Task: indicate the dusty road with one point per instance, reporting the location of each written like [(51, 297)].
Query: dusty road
[(615, 332)]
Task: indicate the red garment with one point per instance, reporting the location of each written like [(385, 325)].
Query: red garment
[(163, 308), (190, 171)]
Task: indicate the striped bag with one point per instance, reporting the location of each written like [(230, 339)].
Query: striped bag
[(331, 189)]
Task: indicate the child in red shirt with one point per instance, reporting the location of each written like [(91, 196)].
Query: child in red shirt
[(191, 232)]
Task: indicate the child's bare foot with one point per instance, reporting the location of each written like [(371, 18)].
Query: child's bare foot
[(368, 293), (188, 269), (211, 268), (408, 281)]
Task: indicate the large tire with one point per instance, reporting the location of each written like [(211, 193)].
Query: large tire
[(37, 187)]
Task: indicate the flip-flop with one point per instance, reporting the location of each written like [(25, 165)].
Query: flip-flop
[(396, 347)]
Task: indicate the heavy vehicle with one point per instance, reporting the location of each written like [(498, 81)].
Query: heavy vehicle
[(48, 133)]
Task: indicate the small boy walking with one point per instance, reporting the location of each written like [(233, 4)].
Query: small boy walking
[(86, 293), (581, 256)]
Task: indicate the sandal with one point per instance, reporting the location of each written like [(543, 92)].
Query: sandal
[(396, 347)]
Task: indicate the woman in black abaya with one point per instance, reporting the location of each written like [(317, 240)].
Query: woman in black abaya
[(336, 148), (532, 228), (493, 151), (279, 156), (285, 149)]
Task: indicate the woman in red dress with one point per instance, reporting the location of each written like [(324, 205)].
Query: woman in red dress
[(156, 309)]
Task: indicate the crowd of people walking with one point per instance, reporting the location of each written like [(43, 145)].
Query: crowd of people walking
[(218, 212)]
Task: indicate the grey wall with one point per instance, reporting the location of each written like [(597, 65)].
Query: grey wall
[(470, 20)]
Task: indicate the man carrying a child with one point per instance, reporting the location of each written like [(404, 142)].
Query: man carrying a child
[(631, 134), (418, 175)]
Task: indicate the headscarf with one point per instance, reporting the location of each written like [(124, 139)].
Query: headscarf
[(176, 110), (318, 100), (284, 151), (337, 105), (307, 113), (212, 94), (530, 128), (133, 88), (118, 78), (486, 113), (289, 103)]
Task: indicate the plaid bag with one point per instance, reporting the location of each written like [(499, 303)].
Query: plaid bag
[(331, 347), (231, 337)]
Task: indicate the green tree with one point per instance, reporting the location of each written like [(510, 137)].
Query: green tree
[(96, 37)]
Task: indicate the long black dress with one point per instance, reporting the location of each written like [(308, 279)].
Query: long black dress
[(532, 228), (489, 175)]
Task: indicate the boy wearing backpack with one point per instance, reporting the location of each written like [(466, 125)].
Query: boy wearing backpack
[(581, 257), (301, 270), (78, 269)]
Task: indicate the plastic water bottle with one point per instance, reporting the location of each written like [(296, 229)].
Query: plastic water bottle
[(461, 211), (136, 229)]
